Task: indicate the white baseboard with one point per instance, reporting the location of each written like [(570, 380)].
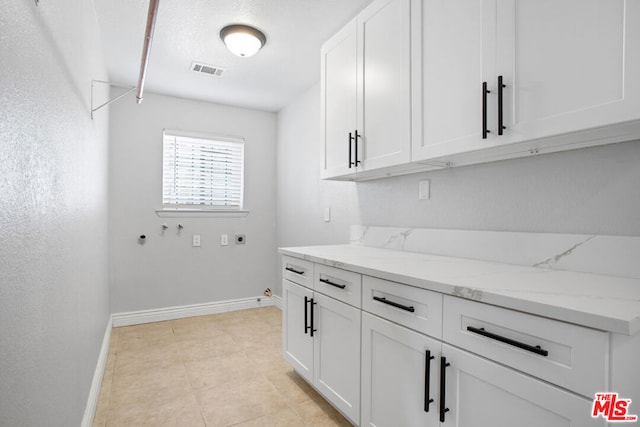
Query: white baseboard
[(179, 312), (277, 301), (96, 383)]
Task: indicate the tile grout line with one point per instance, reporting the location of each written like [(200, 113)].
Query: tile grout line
[(191, 387)]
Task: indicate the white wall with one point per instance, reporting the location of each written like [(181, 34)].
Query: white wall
[(302, 196), (54, 296), (166, 270), (586, 191), (589, 191)]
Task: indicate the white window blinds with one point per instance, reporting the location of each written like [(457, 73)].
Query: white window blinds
[(200, 173)]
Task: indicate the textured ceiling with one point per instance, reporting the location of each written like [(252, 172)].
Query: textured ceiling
[(187, 31)]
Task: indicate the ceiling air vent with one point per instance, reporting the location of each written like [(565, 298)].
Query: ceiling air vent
[(207, 69)]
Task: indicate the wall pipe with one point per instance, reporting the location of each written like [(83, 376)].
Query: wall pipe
[(146, 49)]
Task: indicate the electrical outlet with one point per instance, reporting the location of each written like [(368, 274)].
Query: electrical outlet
[(224, 240), (196, 240)]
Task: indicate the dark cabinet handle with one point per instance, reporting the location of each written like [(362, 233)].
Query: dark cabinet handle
[(427, 379), (443, 384), (395, 304), (306, 315), (312, 329), (501, 85), (329, 282), (533, 349), (485, 91), (293, 270), (350, 139), (355, 140)]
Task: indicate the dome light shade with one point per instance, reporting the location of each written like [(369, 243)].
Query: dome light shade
[(242, 40)]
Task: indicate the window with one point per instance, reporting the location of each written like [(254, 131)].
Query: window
[(202, 173)]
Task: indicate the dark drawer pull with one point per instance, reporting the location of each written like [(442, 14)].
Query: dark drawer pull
[(485, 91), (293, 270), (395, 304), (443, 387), (312, 328), (350, 139), (501, 126), (306, 314), (355, 143), (329, 282), (536, 349), (427, 379)]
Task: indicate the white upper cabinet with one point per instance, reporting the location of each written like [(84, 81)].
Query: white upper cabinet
[(338, 109), (384, 89), (447, 103), (413, 85), (567, 67), (366, 92)]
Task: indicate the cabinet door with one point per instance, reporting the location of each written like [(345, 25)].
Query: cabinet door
[(567, 65), (297, 343), (451, 48), (337, 354), (482, 393), (394, 375), (384, 86), (338, 107)]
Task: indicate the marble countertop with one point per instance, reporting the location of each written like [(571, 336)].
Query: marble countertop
[(603, 302)]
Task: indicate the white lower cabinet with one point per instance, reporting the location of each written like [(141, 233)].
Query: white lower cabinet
[(297, 347), (336, 370), (404, 356), (402, 386), (479, 392), (399, 378), (321, 340)]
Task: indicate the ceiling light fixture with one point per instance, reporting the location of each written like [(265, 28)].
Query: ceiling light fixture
[(242, 40)]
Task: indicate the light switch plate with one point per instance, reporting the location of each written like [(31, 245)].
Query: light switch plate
[(327, 214), (423, 190)]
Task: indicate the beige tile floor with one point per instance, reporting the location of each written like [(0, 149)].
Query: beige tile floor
[(217, 370)]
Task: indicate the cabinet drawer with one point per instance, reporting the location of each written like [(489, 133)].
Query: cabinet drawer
[(340, 284), (568, 355), (414, 308), (298, 271)]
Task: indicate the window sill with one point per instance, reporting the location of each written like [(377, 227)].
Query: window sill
[(200, 213)]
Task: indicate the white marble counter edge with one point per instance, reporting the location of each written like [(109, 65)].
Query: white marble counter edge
[(612, 321)]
